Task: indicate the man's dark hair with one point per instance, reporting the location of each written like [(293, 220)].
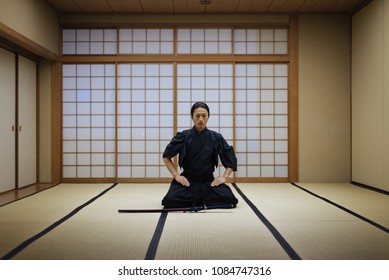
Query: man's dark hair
[(199, 105)]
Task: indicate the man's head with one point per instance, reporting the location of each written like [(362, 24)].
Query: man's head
[(200, 115)]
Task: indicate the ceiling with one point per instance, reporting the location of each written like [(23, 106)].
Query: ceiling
[(207, 7)]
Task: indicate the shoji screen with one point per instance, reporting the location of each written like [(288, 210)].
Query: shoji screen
[(261, 120), (89, 41), (253, 117), (89, 121), (212, 83), (118, 117), (145, 119)]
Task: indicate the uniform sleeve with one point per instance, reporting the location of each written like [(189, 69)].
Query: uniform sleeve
[(227, 154), (175, 145)]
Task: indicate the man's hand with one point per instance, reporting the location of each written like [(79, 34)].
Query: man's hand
[(217, 181), (182, 180)]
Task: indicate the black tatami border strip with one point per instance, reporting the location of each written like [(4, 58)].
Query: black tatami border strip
[(26, 243), (152, 250), (281, 240), (370, 188), (344, 209)]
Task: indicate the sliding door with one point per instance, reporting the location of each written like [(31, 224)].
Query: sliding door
[(7, 120), (27, 120)]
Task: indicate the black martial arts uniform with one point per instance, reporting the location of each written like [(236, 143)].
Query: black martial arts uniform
[(198, 157)]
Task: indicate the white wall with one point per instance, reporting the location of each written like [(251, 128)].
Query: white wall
[(370, 95), (324, 98), (33, 19)]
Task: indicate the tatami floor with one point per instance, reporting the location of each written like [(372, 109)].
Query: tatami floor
[(271, 222)]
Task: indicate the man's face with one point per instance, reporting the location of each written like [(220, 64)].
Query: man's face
[(200, 118)]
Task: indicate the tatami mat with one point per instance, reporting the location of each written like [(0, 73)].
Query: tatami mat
[(370, 204), (218, 234), (314, 228), (100, 232), (24, 218)]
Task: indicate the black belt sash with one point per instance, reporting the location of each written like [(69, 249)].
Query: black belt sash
[(198, 177)]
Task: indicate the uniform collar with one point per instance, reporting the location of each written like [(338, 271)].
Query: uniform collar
[(197, 132)]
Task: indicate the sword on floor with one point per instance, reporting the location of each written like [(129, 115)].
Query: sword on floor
[(193, 209)]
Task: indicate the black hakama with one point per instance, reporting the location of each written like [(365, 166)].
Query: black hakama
[(198, 157)]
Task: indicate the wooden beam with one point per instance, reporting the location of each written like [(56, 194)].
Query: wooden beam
[(22, 41), (293, 101), (175, 58)]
